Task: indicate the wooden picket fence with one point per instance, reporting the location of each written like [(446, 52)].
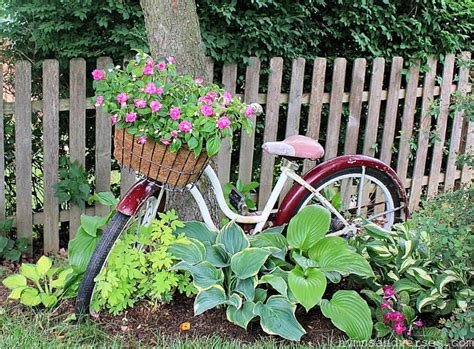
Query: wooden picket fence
[(389, 87)]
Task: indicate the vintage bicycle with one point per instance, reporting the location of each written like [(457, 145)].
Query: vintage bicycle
[(354, 188)]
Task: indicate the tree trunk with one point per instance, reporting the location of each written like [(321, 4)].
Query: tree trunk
[(173, 30)]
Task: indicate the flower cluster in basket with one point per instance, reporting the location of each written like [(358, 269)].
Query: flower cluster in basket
[(154, 103)]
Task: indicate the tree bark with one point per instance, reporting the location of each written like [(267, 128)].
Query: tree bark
[(173, 30)]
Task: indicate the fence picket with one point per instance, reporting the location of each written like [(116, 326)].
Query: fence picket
[(355, 106), (408, 116), (423, 135), (247, 142), (294, 106), (24, 211), (315, 103), (51, 153), (77, 127), (442, 120), (455, 141), (335, 107), (391, 110), (2, 154), (373, 113), (209, 69), (229, 80), (271, 128), (466, 170), (103, 147)]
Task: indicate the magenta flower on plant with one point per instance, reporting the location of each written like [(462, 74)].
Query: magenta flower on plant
[(185, 126), (174, 134), (205, 99), (114, 119), (150, 88), (165, 141), (148, 70), (161, 66), (227, 98), (199, 81), (386, 305), (171, 60), (175, 113), (140, 103), (142, 140), (99, 100), (122, 98), (418, 323), (399, 327), (155, 106), (207, 110), (131, 117), (388, 291), (248, 111), (159, 91), (98, 74), (223, 122)]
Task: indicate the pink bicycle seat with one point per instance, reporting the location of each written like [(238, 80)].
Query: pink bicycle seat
[(296, 147)]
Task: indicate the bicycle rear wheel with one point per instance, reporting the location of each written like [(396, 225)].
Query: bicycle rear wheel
[(356, 193), (117, 225)]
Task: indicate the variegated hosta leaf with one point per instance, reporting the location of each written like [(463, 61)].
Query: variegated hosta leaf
[(198, 231), (248, 262), (217, 256), (204, 274), (233, 238), (271, 239), (349, 313), (421, 276), (377, 232), (188, 250), (378, 251), (241, 317), (447, 277), (427, 298), (337, 257), (209, 298), (308, 227), (408, 262), (406, 247), (235, 301), (246, 287), (407, 285), (277, 316), (277, 282), (307, 286)]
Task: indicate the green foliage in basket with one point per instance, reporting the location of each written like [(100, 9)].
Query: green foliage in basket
[(153, 102)]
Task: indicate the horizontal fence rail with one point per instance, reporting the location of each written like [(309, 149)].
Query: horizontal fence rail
[(351, 107)]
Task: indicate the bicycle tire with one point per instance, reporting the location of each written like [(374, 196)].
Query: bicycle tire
[(111, 233), (380, 175)]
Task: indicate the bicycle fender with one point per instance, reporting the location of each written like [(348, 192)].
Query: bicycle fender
[(136, 196), (297, 192)]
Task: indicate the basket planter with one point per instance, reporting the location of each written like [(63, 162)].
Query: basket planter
[(156, 161)]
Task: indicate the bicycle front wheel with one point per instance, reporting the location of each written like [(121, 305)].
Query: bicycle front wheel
[(117, 225), (356, 193)]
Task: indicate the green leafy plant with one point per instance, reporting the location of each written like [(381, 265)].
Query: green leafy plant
[(88, 234), (10, 249), (459, 325), (40, 283), (402, 257), (245, 190), (267, 275), (173, 110), (139, 267), (73, 185)]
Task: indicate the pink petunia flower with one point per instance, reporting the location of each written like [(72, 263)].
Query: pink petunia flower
[(185, 126), (205, 99), (161, 66), (99, 100), (139, 103), (223, 122), (388, 291), (148, 70), (150, 88), (207, 110), (399, 327), (418, 323), (122, 98), (114, 119), (155, 106), (248, 111), (165, 141), (175, 113), (171, 60), (98, 74), (141, 140), (159, 91), (212, 94), (174, 134), (199, 81), (149, 62), (227, 98), (131, 117)]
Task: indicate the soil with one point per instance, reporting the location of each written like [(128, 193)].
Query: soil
[(144, 321)]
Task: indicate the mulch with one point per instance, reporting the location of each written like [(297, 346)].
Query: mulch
[(145, 321)]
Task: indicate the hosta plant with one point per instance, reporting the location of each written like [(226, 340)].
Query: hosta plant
[(153, 102), (40, 283), (139, 267), (267, 275), (402, 257)]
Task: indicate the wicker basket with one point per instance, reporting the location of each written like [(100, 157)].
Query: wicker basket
[(156, 161)]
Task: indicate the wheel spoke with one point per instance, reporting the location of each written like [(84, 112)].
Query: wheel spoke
[(361, 189)]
